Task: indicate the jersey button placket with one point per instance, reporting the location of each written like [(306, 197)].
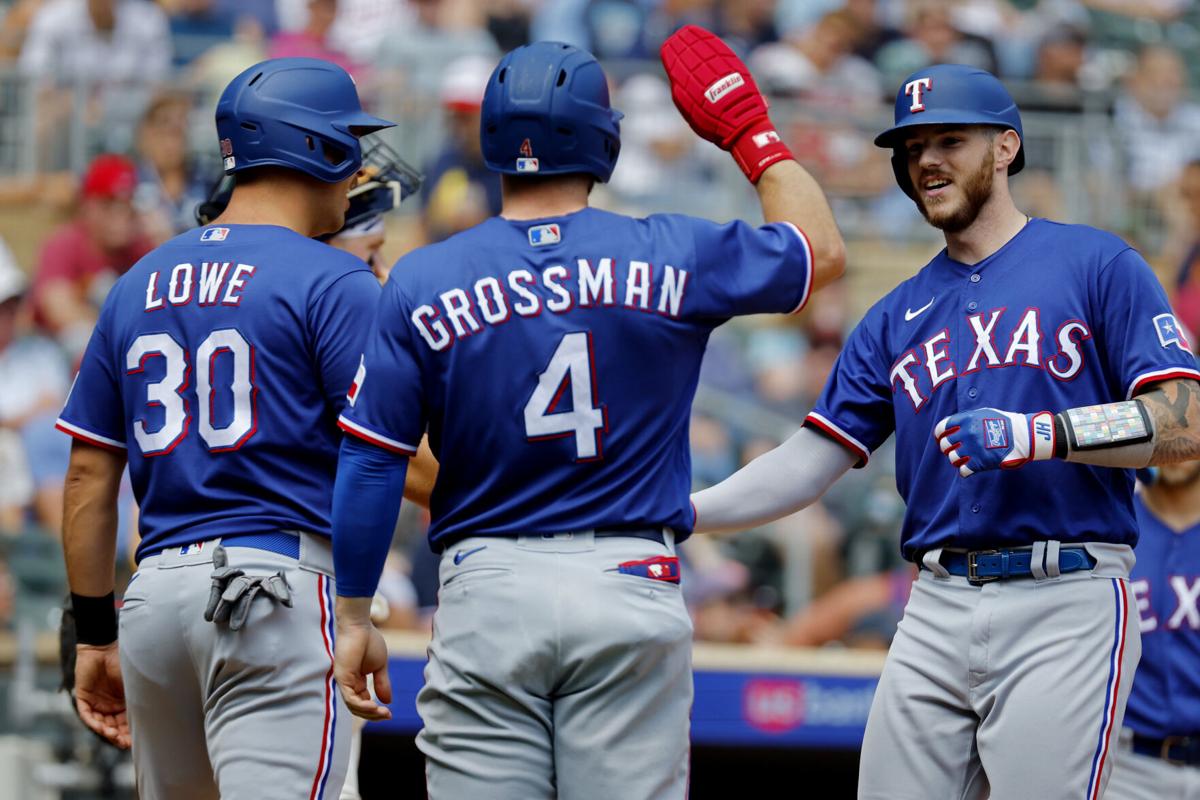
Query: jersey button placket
[(972, 393), (972, 306), (975, 278)]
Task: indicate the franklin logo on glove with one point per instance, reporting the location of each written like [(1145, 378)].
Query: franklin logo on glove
[(724, 86)]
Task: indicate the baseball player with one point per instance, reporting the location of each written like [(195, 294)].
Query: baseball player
[(217, 369), (382, 183), (553, 352), (1009, 672), (1158, 754)]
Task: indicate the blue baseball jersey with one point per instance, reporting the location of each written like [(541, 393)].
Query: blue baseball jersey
[(1060, 316), (554, 363), (1165, 699), (220, 362)]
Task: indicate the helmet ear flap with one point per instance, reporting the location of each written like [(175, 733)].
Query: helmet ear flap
[(900, 170)]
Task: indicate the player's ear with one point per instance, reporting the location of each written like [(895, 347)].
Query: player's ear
[(1005, 147)]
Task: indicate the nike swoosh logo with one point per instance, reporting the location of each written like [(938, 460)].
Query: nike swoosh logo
[(910, 315), (462, 555)]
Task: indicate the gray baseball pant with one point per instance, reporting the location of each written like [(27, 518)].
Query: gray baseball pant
[(552, 675), (1011, 690), (252, 714)]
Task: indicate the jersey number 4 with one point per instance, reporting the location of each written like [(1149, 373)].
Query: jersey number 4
[(167, 393), (572, 364)]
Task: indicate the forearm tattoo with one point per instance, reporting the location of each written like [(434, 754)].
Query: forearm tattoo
[(1175, 407)]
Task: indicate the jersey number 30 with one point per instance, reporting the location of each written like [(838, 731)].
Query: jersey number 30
[(572, 363), (168, 392)]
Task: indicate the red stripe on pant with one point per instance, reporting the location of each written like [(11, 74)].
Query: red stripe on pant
[(327, 729)]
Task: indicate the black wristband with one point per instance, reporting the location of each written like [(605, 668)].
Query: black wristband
[(1061, 448), (95, 619)]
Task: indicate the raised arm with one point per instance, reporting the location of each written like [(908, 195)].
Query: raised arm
[(774, 485), (717, 95), (788, 193)]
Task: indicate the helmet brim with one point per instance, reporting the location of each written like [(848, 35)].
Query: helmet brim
[(362, 123), (893, 137)]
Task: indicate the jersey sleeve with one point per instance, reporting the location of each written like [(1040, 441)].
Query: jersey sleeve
[(94, 412), (1143, 343), (336, 324), (855, 407), (385, 405), (743, 270)]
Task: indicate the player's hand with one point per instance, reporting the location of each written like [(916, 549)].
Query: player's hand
[(718, 97), (100, 692), (361, 652), (987, 438)]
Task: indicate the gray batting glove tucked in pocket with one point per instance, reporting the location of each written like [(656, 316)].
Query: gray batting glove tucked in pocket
[(233, 591)]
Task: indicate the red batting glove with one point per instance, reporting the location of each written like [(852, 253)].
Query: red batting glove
[(718, 97)]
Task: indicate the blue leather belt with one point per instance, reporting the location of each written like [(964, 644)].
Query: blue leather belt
[(1176, 749), (280, 543), (985, 566)]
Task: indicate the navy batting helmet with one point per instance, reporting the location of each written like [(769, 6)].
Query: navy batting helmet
[(301, 113), (546, 112), (949, 94)]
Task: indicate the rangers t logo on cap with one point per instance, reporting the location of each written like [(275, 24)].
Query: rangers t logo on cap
[(913, 89)]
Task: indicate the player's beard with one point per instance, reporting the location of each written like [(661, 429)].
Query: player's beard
[(953, 217)]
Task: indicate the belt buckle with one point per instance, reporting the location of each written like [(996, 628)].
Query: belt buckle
[(973, 577)]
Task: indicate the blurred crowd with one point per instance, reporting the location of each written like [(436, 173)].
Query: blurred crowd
[(113, 141)]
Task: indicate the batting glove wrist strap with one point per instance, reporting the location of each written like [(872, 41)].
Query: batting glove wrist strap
[(718, 97), (95, 619), (758, 148), (1043, 436)]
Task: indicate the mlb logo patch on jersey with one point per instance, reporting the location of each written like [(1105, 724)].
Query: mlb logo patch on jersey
[(545, 234), (1170, 332), (527, 165), (997, 434), (214, 235)]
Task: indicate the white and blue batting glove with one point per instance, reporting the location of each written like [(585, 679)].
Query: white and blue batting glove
[(987, 438)]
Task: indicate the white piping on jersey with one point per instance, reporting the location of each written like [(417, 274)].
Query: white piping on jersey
[(809, 266), (375, 438), (83, 433), (1158, 375), (864, 451)]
